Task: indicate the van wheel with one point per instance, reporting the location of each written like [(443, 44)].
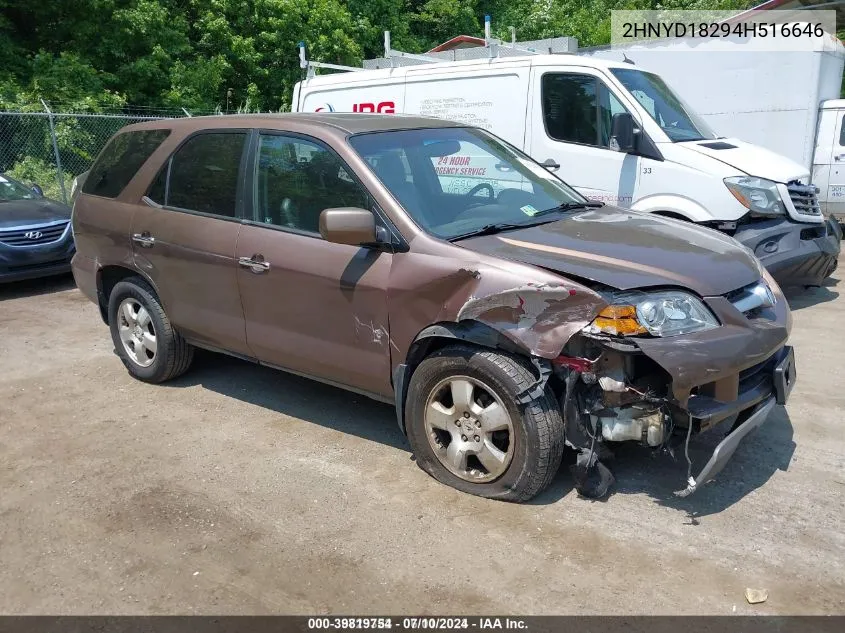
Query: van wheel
[(145, 340), (468, 431)]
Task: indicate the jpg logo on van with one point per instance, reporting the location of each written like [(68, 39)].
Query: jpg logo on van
[(383, 107)]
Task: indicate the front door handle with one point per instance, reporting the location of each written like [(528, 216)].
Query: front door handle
[(255, 263), (839, 158), (551, 164), (145, 240)]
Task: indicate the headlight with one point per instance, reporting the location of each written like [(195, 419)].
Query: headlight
[(759, 195), (661, 313)]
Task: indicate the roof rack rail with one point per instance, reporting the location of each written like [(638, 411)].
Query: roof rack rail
[(492, 49), (309, 66), (390, 53)]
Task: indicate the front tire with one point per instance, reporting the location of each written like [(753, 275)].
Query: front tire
[(150, 348), (468, 431)]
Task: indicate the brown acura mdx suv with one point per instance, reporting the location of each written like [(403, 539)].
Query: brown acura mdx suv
[(433, 266)]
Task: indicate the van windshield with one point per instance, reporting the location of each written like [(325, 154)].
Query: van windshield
[(676, 118), (454, 181)]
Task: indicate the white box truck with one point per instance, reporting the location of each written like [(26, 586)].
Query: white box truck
[(784, 100), (617, 133)]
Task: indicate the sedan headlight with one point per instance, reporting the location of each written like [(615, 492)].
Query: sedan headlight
[(660, 313), (759, 195)]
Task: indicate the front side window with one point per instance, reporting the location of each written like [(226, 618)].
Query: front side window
[(461, 179), (578, 108), (204, 174), (120, 161), (13, 190), (679, 121), (296, 179), (569, 108)]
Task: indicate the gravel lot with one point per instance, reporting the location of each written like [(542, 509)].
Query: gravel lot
[(238, 489)]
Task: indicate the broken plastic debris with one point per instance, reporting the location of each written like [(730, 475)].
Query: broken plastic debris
[(755, 596), (686, 492), (610, 384)]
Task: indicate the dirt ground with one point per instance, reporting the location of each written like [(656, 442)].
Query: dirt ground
[(238, 489)]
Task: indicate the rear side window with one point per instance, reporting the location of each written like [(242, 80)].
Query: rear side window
[(120, 160), (203, 174)]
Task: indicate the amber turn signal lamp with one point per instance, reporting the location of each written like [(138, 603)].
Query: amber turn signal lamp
[(619, 320), (740, 198)]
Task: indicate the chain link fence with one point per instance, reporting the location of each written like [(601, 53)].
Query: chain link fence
[(50, 149)]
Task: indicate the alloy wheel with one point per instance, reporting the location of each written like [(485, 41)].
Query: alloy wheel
[(137, 332), (469, 429)]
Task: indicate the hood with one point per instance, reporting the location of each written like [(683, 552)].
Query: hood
[(750, 159), (626, 250), (15, 213)]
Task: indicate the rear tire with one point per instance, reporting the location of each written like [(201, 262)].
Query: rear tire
[(142, 334), (483, 462)]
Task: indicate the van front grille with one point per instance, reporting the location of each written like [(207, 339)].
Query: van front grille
[(804, 198), (34, 235)]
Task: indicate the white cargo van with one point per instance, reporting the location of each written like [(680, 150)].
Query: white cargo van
[(738, 87), (616, 133)]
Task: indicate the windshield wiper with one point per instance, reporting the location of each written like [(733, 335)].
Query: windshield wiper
[(491, 229), (498, 227), (571, 206)]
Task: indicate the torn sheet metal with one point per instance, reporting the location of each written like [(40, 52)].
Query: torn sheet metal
[(539, 311), (539, 316)]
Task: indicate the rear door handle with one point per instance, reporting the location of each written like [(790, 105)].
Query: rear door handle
[(145, 240), (550, 164), (255, 263), (839, 157)]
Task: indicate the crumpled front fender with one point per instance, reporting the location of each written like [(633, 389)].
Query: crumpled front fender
[(537, 310)]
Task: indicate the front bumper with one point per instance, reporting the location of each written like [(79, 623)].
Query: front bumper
[(19, 263), (772, 386), (733, 374), (796, 254)]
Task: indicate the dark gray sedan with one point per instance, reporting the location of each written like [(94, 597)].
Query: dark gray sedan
[(36, 239)]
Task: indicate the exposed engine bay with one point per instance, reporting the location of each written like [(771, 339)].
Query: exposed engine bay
[(610, 391)]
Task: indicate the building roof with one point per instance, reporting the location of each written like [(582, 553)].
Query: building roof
[(459, 41)]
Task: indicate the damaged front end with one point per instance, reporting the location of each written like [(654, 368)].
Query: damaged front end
[(620, 380)]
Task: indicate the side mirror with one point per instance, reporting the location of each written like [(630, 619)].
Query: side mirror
[(38, 191), (348, 225), (622, 132)]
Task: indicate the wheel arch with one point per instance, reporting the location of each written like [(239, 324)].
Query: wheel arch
[(675, 206), (437, 336), (672, 214), (108, 277)]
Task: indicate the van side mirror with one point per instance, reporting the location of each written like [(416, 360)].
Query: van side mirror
[(38, 191), (348, 225), (622, 132)]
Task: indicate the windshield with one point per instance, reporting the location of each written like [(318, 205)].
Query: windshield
[(454, 181), (676, 118), (13, 190)]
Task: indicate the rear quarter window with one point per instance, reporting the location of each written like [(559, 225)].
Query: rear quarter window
[(120, 160)]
